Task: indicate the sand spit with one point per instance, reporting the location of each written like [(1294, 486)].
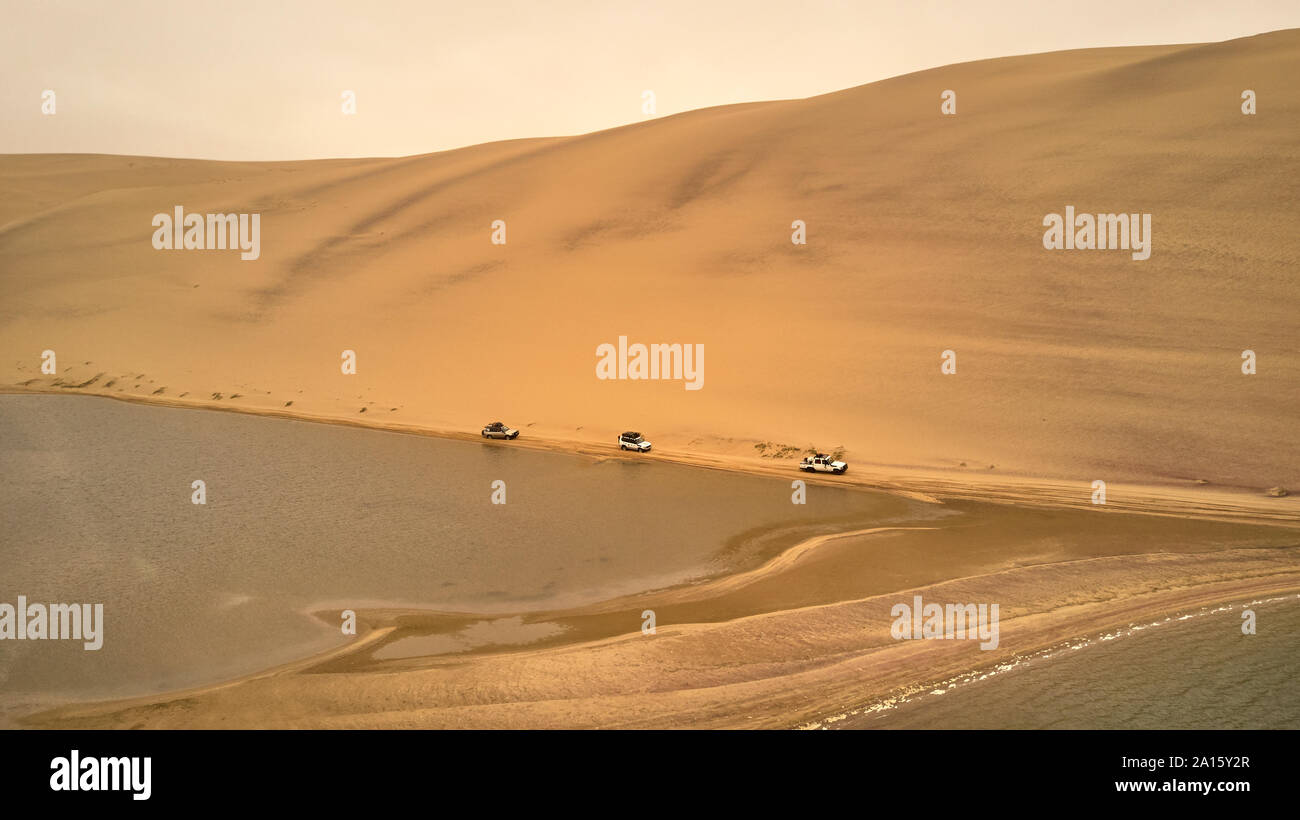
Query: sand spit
[(773, 670)]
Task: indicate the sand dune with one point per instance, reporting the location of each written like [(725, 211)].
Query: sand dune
[(924, 234)]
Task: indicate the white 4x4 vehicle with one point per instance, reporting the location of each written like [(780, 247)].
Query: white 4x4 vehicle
[(822, 463), (633, 441)]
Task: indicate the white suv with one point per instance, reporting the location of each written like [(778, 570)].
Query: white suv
[(498, 430), (633, 441)]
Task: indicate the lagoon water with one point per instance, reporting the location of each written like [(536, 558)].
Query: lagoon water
[(96, 502), (1197, 672)]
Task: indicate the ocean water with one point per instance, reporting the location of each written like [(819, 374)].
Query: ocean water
[(1196, 670), (95, 496)]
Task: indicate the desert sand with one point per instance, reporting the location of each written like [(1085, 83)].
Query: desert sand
[(924, 235)]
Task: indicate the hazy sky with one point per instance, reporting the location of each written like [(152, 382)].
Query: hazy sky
[(263, 80)]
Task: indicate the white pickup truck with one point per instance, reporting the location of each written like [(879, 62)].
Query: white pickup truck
[(822, 463)]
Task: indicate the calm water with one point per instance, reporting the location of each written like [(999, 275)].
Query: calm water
[(95, 498), (1197, 673)]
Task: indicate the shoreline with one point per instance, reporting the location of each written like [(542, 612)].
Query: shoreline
[(920, 690), (1172, 498)]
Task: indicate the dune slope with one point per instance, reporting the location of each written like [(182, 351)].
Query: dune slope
[(924, 235)]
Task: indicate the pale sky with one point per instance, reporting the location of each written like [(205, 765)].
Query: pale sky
[(263, 80)]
